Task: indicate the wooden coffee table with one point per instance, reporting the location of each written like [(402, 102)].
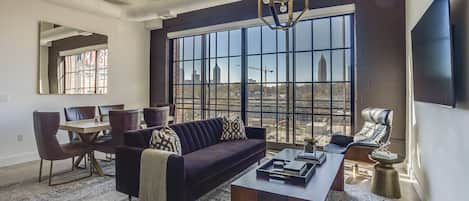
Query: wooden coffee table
[(328, 176)]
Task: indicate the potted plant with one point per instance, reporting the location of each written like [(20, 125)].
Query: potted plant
[(310, 145)]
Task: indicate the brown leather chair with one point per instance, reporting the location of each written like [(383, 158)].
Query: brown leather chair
[(104, 116), (104, 109), (121, 121), (156, 116), (172, 109), (78, 113), (46, 125)]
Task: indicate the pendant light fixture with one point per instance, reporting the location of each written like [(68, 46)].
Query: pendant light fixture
[(278, 7)]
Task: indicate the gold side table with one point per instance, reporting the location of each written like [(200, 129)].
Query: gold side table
[(385, 180)]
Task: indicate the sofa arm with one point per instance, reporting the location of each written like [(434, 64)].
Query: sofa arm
[(128, 169), (128, 173), (255, 133)]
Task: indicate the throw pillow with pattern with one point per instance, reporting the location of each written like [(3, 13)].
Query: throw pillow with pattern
[(166, 139), (233, 129)]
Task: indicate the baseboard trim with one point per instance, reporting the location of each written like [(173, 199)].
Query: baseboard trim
[(18, 158), (416, 184)]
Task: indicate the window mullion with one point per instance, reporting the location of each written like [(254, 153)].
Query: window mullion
[(244, 74)]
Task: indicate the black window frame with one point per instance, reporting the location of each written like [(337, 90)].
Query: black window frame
[(244, 110)]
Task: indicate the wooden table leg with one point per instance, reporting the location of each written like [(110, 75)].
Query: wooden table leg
[(243, 194), (97, 167), (89, 139), (338, 184)]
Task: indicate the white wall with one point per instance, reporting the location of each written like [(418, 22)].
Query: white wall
[(438, 150), (128, 74)]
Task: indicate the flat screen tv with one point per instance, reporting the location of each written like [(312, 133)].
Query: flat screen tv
[(432, 53)]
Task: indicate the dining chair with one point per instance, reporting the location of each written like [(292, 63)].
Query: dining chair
[(172, 109), (103, 110), (46, 125), (78, 113), (121, 121), (156, 116)]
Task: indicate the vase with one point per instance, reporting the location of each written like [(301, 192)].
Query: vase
[(309, 148)]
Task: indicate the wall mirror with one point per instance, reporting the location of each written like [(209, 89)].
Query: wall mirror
[(72, 61)]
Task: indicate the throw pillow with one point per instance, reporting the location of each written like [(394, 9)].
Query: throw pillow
[(166, 139), (233, 129)]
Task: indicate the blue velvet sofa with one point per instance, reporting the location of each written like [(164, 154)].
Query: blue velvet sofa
[(206, 162)]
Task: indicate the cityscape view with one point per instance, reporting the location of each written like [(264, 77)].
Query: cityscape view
[(301, 92)]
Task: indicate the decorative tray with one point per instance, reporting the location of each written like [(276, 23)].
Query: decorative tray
[(268, 171)]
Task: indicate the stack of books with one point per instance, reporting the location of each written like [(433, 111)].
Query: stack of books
[(295, 168), (317, 157)]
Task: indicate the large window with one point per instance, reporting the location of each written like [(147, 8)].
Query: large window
[(246, 73), (84, 73)]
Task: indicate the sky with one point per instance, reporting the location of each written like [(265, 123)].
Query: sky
[(312, 39)]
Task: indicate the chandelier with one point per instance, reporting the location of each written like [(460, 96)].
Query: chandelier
[(277, 7)]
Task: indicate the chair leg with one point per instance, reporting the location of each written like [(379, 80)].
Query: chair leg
[(85, 161), (130, 197), (91, 156), (73, 163), (66, 182), (50, 173), (40, 171)]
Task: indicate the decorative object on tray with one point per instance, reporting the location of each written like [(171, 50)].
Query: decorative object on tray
[(318, 157), (278, 165), (310, 145), (296, 172), (295, 168)]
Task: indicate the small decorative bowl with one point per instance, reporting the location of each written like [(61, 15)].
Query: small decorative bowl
[(278, 164)]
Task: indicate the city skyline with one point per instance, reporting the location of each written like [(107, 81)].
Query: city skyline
[(321, 74)]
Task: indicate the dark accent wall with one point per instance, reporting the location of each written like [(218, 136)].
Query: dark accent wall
[(460, 21), (70, 43), (380, 53)]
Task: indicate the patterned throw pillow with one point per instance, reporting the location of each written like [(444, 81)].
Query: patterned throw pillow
[(233, 129), (166, 139)]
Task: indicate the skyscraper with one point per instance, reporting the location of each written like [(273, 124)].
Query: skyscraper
[(322, 69), (196, 77), (216, 74)]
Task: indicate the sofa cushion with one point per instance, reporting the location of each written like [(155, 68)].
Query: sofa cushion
[(196, 135), (165, 139), (233, 129), (211, 161)]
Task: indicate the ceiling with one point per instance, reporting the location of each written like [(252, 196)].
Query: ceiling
[(150, 12)]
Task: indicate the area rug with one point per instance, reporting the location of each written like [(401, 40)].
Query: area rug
[(103, 189)]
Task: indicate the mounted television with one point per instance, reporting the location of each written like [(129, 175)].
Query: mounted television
[(432, 52)]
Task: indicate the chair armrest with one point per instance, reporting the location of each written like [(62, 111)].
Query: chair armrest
[(255, 133), (341, 140), (128, 173)]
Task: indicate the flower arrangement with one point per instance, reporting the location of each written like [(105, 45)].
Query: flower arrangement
[(311, 141), (310, 145)]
